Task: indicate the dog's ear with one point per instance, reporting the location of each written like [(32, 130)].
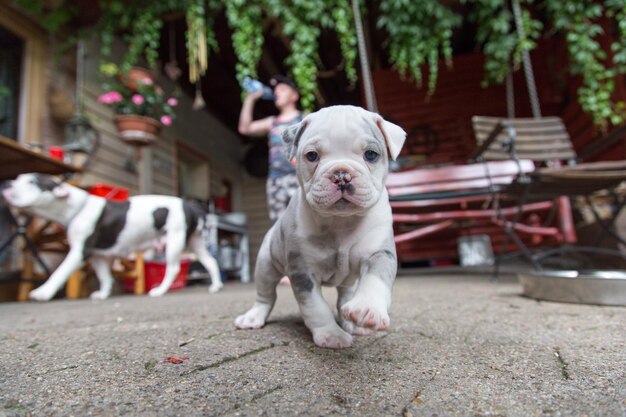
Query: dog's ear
[(394, 136), (291, 138), (61, 191)]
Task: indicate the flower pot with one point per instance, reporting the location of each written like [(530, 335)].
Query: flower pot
[(137, 130), (136, 75)]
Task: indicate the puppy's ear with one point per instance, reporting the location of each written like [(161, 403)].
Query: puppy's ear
[(394, 136), (61, 191), (291, 138)]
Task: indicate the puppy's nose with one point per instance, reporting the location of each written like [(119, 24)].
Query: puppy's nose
[(341, 177)]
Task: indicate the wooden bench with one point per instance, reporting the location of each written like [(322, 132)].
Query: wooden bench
[(433, 208)]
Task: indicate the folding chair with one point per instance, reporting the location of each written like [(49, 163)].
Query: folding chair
[(558, 175)]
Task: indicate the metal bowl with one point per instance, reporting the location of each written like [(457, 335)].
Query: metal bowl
[(583, 287)]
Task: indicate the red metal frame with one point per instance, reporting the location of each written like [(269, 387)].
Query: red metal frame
[(443, 204)]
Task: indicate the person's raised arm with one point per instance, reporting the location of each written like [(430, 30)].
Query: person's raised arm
[(249, 127)]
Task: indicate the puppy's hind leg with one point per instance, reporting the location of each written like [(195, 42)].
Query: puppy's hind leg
[(175, 245), (210, 264), (102, 268), (266, 278)]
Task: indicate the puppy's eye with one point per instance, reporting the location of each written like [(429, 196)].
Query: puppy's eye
[(370, 156), (312, 156)]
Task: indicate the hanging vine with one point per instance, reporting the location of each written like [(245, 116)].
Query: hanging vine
[(419, 33), (143, 40), (500, 42), (343, 24), (579, 21), (303, 58), (245, 19)]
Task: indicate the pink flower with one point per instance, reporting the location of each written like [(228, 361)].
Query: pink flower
[(137, 99), (146, 81), (110, 97), (158, 90), (166, 120), (172, 102)]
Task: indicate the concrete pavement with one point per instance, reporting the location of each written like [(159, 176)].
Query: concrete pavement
[(457, 346)]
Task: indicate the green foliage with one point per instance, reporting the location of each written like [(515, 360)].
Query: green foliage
[(144, 38), (245, 19), (296, 20), (419, 33), (51, 20), (343, 23), (301, 21), (579, 21), (498, 37)]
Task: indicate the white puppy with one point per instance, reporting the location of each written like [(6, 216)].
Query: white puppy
[(338, 230), (99, 230)]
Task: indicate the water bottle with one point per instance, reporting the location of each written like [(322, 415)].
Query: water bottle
[(251, 86)]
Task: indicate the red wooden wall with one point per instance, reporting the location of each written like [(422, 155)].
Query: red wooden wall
[(459, 96)]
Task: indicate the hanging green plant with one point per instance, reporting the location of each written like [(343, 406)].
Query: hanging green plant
[(301, 22), (497, 35), (53, 19), (579, 21), (245, 19), (141, 26), (616, 9), (143, 40), (343, 24), (419, 33), (303, 58)]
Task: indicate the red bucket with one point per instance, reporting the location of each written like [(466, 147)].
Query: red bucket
[(154, 273)]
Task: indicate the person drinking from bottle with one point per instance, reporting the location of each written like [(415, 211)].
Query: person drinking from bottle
[(282, 183)]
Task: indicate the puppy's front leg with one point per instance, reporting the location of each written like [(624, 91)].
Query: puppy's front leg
[(266, 278), (71, 263), (318, 317), (368, 307), (345, 294)]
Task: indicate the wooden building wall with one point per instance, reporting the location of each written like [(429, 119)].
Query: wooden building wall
[(255, 206)]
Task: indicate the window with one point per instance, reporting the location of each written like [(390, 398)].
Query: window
[(193, 174), (11, 52), (23, 62)]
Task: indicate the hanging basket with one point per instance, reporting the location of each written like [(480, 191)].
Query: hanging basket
[(137, 130), (135, 75)]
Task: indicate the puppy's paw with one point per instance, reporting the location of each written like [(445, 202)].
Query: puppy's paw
[(332, 337), (41, 294), (367, 314), (216, 287), (99, 295), (253, 318), (351, 328), (157, 291)]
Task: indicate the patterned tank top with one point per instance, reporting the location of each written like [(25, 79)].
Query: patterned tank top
[(278, 159)]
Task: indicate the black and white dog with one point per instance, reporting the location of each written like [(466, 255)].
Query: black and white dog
[(99, 230)]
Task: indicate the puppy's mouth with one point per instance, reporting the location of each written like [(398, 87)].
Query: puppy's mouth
[(343, 204)]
